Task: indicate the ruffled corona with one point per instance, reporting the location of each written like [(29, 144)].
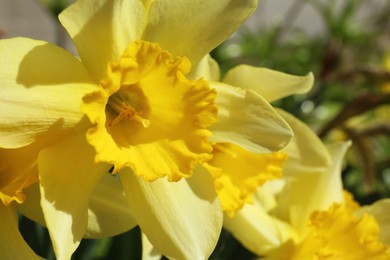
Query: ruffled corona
[(238, 173), (338, 234), (149, 116)]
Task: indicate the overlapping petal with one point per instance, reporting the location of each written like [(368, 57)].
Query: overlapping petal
[(248, 120), (258, 230), (68, 176), (271, 84), (41, 87), (18, 171), (302, 157), (102, 29), (181, 219), (12, 243), (193, 28)]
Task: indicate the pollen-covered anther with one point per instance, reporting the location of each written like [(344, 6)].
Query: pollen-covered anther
[(125, 112)]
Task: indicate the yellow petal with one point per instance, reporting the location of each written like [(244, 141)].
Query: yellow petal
[(308, 192), (102, 29), (18, 171), (149, 252), (149, 117), (194, 28), (68, 176), (270, 84), (207, 68), (260, 232), (238, 173), (304, 158), (181, 219), (41, 87), (12, 244), (381, 211), (108, 210), (248, 120)]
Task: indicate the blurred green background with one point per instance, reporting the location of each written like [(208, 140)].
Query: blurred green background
[(350, 59)]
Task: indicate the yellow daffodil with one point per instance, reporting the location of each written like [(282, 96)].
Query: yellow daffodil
[(307, 216), (287, 213), (131, 105)]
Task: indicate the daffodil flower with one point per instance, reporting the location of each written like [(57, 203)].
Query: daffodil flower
[(144, 115), (307, 214)]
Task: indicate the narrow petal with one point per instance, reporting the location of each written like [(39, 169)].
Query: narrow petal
[(193, 28), (102, 29), (108, 210), (248, 120), (12, 244), (304, 158), (309, 192), (68, 176), (181, 219), (258, 231), (207, 68), (381, 211), (41, 87), (149, 252), (270, 84)]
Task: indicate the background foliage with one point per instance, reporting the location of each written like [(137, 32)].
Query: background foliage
[(350, 100)]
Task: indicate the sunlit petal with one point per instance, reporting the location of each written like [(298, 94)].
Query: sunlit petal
[(101, 30), (68, 176), (181, 219), (270, 84), (41, 87), (248, 120), (193, 28)]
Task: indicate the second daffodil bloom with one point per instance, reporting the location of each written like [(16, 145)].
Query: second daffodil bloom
[(307, 215), (130, 105)]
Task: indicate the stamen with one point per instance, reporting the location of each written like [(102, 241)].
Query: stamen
[(125, 112)]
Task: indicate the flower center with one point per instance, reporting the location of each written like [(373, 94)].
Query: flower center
[(125, 111), (148, 116)]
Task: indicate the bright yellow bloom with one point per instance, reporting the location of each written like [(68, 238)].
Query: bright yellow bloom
[(306, 216), (337, 234), (144, 115)]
